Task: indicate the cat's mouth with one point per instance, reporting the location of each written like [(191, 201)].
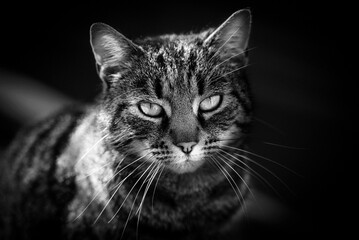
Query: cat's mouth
[(171, 158)]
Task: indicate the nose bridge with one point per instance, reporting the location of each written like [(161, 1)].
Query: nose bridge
[(183, 125)]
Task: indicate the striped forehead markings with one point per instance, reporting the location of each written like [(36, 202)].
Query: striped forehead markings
[(177, 63)]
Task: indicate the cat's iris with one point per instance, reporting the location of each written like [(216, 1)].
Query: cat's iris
[(151, 109), (211, 103)]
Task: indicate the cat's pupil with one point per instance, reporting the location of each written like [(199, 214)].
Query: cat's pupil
[(210, 103), (150, 109)]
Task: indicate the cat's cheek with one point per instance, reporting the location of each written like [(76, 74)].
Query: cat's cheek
[(141, 148), (230, 135)]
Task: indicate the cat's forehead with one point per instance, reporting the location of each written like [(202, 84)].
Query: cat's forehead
[(175, 61), (175, 50), (177, 67)]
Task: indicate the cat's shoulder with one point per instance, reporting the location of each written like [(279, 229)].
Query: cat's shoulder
[(49, 133), (27, 172)]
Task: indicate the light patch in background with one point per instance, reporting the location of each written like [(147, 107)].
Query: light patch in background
[(26, 100)]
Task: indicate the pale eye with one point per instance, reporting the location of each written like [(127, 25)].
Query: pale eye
[(151, 109), (211, 103)]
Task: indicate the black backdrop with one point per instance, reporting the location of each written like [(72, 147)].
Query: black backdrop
[(295, 76)]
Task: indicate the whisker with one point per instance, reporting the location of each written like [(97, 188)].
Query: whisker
[(284, 146), (226, 175), (146, 181), (98, 192), (154, 190), (134, 201), (240, 177), (268, 125), (247, 50), (94, 171), (229, 139), (118, 210), (91, 148), (120, 162), (235, 184), (148, 185), (93, 199), (230, 72), (118, 186), (108, 181), (220, 48), (119, 137), (269, 171), (139, 209), (117, 143), (262, 157), (138, 159), (250, 170)]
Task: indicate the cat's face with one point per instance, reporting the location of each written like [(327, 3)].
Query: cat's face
[(175, 99)]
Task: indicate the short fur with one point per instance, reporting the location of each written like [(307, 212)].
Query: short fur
[(111, 171)]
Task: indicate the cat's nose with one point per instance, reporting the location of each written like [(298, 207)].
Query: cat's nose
[(186, 147)]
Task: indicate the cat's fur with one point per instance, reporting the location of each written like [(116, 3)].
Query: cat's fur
[(91, 172)]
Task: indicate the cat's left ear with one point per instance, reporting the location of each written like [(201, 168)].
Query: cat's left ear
[(231, 38), (110, 47), (114, 53)]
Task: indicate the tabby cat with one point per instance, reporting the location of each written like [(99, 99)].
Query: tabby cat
[(159, 155)]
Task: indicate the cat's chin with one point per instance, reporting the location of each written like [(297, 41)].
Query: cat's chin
[(185, 166)]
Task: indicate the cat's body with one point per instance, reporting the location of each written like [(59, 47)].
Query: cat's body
[(154, 158)]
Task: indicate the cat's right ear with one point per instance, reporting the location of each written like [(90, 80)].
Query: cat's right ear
[(110, 48), (231, 38)]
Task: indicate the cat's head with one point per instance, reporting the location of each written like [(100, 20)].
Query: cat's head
[(175, 99)]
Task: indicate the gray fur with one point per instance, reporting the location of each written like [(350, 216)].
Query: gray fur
[(86, 173)]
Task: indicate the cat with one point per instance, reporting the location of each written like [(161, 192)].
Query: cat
[(160, 154)]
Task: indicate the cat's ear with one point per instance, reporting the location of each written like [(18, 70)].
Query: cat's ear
[(231, 38), (110, 47)]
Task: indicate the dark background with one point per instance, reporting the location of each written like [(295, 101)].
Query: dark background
[(298, 82)]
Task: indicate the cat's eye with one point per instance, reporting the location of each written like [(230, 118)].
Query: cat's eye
[(151, 109), (211, 103)]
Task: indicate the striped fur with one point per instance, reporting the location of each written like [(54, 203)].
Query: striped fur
[(108, 170)]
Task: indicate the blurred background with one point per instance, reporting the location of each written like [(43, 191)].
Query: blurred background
[(298, 86)]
